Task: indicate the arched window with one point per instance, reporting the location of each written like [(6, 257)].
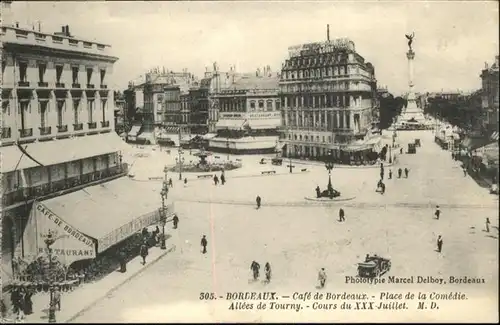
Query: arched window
[(306, 138), (300, 137), (295, 137), (269, 105), (289, 137)]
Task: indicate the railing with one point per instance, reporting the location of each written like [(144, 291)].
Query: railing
[(92, 125), (78, 126), (69, 184), (23, 83), (23, 133), (105, 124), (45, 130), (62, 128), (90, 86), (6, 133), (43, 84), (75, 85), (60, 85)]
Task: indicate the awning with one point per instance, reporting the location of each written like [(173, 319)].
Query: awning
[(111, 211), (187, 138), (59, 151), (146, 136), (490, 151), (134, 130), (209, 136), (494, 136), (172, 129), (474, 143), (229, 124)]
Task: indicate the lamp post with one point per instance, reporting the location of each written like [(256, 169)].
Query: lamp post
[(49, 240), (227, 143), (180, 161), (329, 167), (163, 214)]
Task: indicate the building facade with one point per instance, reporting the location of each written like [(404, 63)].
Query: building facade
[(57, 122), (490, 98), (329, 96), (248, 114)]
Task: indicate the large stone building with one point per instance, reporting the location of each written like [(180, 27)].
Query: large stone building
[(248, 116), (490, 91), (57, 139), (328, 93)]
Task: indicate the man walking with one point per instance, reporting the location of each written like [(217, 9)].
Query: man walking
[(390, 173), (258, 200), (170, 183), (204, 244), (487, 224), (406, 172), (175, 221), (144, 252), (222, 179), (439, 243), (322, 277), (341, 215), (438, 212), (216, 180), (400, 171)]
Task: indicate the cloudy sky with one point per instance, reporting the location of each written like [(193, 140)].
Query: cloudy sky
[(453, 39)]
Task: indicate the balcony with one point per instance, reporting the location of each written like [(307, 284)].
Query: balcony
[(23, 83), (43, 84), (60, 85), (62, 128), (105, 124), (45, 130), (92, 125), (90, 86), (68, 185), (78, 126), (74, 85), (104, 86), (24, 133), (6, 133)]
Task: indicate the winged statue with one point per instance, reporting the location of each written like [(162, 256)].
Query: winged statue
[(410, 39)]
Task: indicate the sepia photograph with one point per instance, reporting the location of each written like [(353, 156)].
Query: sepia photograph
[(249, 161)]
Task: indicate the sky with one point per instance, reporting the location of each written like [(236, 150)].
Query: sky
[(453, 40)]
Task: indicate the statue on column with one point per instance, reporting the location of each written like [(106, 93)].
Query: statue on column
[(410, 40)]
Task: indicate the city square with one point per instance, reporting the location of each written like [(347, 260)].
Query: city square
[(231, 172)]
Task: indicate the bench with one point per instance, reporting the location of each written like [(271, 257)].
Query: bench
[(303, 170), (269, 172), (205, 176)]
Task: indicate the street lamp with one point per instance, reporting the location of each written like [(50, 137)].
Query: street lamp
[(49, 240), (329, 167), (227, 143), (180, 161), (163, 214)]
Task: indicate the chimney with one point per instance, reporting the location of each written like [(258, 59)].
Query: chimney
[(328, 32), (39, 26), (63, 30), (67, 31)]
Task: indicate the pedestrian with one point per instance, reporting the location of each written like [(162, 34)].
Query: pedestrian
[(487, 224), (255, 267), (144, 232), (170, 183), (175, 221), (204, 244), (144, 252), (438, 212), (268, 272), (382, 188), (258, 200), (390, 173), (341, 215), (406, 172), (439, 243), (123, 261), (465, 171), (322, 277), (28, 303), (222, 179), (400, 171), (382, 174), (216, 180), (57, 298), (401, 151), (185, 182)]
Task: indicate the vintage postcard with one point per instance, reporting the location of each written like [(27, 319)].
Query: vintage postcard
[(249, 161)]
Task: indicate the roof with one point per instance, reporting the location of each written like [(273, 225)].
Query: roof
[(244, 82), (98, 210), (58, 151)]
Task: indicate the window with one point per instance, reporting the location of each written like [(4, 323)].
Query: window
[(295, 137), (74, 74), (59, 71), (43, 112), (89, 75), (5, 108), (60, 112), (323, 139), (252, 105), (317, 138), (261, 104), (289, 137), (278, 104), (300, 137), (330, 139), (23, 68), (42, 67), (306, 138), (90, 108), (76, 103), (103, 104), (269, 105), (103, 74), (4, 64)]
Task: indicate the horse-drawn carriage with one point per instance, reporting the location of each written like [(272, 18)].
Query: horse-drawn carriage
[(373, 266)]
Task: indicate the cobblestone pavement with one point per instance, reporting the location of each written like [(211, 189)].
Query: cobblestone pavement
[(298, 238)]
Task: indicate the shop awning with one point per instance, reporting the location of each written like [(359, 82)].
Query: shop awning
[(209, 136), (134, 130), (474, 143), (59, 151), (494, 136), (490, 151), (111, 211), (229, 124)]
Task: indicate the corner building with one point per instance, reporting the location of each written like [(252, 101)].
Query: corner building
[(328, 93)]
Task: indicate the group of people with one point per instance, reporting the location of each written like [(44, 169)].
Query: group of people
[(21, 300), (222, 179), (255, 267)]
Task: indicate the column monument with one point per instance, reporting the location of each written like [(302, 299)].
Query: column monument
[(412, 116)]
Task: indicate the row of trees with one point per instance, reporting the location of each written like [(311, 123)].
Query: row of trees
[(390, 107)]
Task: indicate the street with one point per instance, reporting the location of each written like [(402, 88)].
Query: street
[(299, 238)]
